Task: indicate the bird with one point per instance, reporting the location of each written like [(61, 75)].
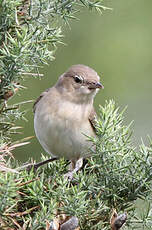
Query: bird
[(64, 115)]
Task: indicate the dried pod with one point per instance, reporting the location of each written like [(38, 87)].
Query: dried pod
[(116, 221), (9, 93), (71, 224)]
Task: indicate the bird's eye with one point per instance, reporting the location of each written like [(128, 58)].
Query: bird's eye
[(78, 79)]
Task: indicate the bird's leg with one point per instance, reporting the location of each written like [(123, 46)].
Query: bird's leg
[(75, 166)]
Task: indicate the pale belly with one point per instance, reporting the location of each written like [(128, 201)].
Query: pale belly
[(63, 137)]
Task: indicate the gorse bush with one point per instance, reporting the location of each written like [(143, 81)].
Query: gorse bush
[(116, 176)]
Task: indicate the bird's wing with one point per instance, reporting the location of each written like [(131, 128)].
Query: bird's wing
[(93, 119), (39, 98)]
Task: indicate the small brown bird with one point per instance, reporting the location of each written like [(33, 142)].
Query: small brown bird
[(64, 114)]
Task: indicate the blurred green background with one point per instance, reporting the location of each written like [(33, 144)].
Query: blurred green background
[(118, 45)]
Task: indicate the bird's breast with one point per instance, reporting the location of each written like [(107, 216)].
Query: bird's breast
[(62, 131)]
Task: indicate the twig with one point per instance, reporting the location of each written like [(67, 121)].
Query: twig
[(18, 214), (28, 167), (32, 74)]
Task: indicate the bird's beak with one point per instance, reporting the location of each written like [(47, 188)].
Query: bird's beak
[(96, 85), (99, 85)]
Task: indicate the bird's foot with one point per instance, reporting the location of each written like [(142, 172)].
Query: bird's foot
[(75, 166), (69, 175)]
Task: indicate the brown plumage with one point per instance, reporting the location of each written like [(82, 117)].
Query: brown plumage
[(39, 98), (65, 113)]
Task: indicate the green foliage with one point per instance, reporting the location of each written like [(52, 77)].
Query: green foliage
[(30, 32), (115, 176), (126, 172)]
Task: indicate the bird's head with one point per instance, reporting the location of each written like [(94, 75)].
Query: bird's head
[(80, 83)]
